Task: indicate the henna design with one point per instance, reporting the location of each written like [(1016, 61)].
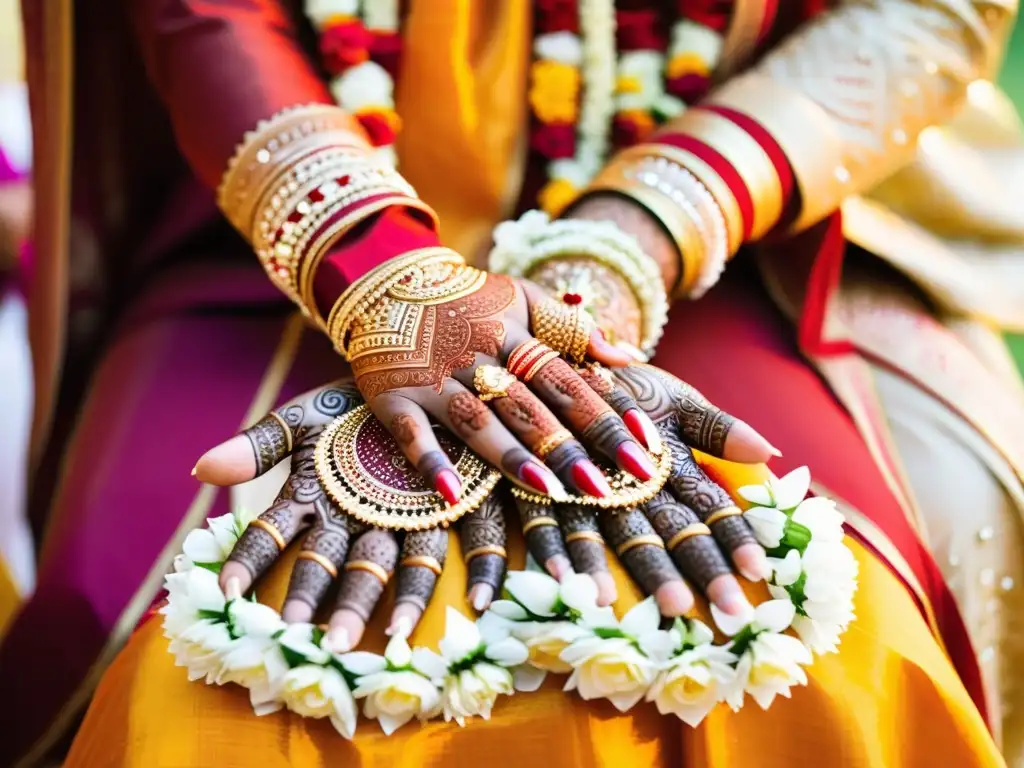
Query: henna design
[(543, 541), (649, 565), (256, 549), (563, 388), (699, 492), (525, 414), (481, 528), (329, 537), (303, 485), (405, 428), (607, 433), (617, 398), (422, 344), (360, 590), (563, 458), (431, 463), (336, 400), (270, 442), (698, 557), (415, 582), (467, 413), (587, 556), (661, 395)]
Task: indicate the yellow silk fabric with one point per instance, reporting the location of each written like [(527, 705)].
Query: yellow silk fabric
[(10, 597), (890, 698)]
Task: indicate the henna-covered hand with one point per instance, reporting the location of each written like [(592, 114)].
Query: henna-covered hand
[(336, 547)]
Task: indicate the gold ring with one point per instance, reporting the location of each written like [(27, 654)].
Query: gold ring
[(320, 560), (544, 448), (422, 561), (721, 514), (539, 522), (693, 529), (489, 549), (525, 356), (492, 382), (272, 531), (564, 327), (370, 567), (593, 536), (650, 539), (284, 425)]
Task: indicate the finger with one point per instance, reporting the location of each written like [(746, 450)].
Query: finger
[(543, 537), (470, 419), (643, 553), (261, 544), (533, 422), (266, 443), (367, 570), (411, 429), (702, 425), (582, 409), (483, 548), (323, 552), (423, 554), (583, 540), (716, 510), (602, 381), (695, 552), (603, 351)]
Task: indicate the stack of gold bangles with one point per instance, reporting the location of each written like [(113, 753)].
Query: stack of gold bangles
[(298, 183)]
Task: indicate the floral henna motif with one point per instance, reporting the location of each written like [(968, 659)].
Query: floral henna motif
[(333, 401), (698, 557), (541, 530), (421, 345), (525, 414), (329, 538), (485, 527), (416, 582), (583, 538), (695, 489), (649, 564), (467, 414), (270, 441), (360, 589)]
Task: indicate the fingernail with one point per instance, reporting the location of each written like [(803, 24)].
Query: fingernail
[(734, 603), (673, 598), (631, 418), (654, 444), (400, 626), (606, 591), (194, 469), (480, 597), (589, 479), (233, 591), (558, 566), (746, 445), (632, 458), (448, 485), (633, 352), (643, 429), (540, 479), (337, 640), (775, 451)]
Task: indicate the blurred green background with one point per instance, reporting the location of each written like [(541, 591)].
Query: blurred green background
[(1012, 79)]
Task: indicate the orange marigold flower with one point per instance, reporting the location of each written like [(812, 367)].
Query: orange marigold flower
[(554, 91), (555, 196), (381, 125), (683, 64)]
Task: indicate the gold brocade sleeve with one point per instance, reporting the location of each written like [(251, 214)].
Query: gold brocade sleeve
[(847, 95)]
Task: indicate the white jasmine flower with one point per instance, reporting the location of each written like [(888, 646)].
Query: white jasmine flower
[(313, 691), (690, 37), (693, 683), (320, 11), (299, 640), (768, 523), (472, 692), (255, 663), (563, 47), (192, 595), (821, 517), (397, 694), (364, 86), (200, 648), (783, 493)]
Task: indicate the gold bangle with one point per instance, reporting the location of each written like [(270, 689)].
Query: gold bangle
[(749, 159), (539, 522), (422, 561), (370, 567), (548, 444), (489, 549), (648, 539), (693, 529), (275, 534), (284, 425), (593, 536), (323, 562), (721, 514)]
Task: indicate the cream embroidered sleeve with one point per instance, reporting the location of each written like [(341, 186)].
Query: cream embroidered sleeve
[(847, 95)]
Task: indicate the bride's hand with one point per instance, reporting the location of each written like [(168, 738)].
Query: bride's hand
[(414, 354), (690, 529), (335, 546)]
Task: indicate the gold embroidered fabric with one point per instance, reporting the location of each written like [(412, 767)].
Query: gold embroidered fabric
[(847, 96)]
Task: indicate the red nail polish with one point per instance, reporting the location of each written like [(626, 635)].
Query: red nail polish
[(534, 476), (448, 485), (588, 478), (636, 425), (632, 459)]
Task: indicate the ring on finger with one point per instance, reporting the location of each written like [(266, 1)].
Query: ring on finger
[(565, 327), (544, 448), (593, 536), (422, 561), (289, 437), (528, 358), (693, 529), (271, 530), (492, 382), (721, 514), (320, 560), (648, 539), (488, 549), (538, 522), (370, 567)]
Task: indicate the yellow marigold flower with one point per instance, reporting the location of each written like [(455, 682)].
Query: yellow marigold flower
[(683, 64), (628, 84), (554, 91), (642, 121), (556, 195)]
